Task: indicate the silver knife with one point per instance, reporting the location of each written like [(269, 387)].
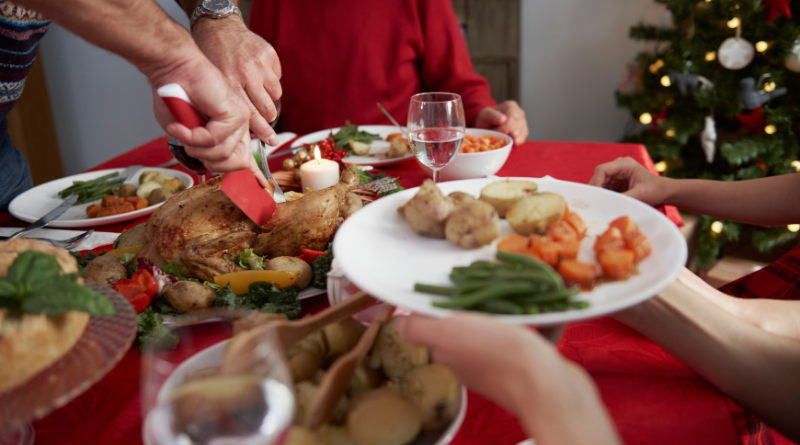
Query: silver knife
[(278, 195), (47, 219)]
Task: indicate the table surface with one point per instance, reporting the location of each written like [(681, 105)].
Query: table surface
[(651, 396)]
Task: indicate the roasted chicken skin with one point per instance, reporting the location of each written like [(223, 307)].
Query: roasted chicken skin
[(201, 228)]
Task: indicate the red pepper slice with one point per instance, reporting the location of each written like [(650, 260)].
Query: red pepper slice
[(138, 290), (310, 255)]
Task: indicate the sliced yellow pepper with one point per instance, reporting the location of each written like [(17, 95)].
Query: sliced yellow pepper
[(240, 281), (123, 250)]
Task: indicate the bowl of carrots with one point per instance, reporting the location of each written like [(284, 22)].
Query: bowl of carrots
[(482, 154)]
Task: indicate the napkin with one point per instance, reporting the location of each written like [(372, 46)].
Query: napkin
[(96, 240)]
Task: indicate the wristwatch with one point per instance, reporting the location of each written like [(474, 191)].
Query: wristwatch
[(213, 9)]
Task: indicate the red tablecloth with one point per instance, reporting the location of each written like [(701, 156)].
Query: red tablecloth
[(652, 397)]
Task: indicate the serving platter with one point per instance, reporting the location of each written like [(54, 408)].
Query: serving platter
[(36, 202), (380, 130), (380, 254)]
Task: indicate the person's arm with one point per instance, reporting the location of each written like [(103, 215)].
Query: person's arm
[(246, 59), (765, 201), (555, 400), (755, 367), (162, 50)]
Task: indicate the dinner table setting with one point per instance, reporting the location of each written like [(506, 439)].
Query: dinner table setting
[(384, 260)]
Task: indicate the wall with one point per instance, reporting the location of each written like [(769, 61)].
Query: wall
[(102, 106), (573, 54)]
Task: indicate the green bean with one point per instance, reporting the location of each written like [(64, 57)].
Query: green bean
[(543, 297), (530, 263), (487, 293), (531, 309), (483, 264), (578, 304), (438, 290), (501, 307)]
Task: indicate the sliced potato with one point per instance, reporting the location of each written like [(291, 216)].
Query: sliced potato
[(503, 194), (146, 188), (359, 148), (383, 417), (533, 214), (473, 225)]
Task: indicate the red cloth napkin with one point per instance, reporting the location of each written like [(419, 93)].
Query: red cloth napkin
[(652, 397)]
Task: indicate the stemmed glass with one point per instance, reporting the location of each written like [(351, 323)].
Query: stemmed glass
[(214, 389), (194, 164), (436, 128)]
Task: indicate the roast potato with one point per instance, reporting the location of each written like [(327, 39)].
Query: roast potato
[(303, 436), (359, 148), (157, 196), (305, 392), (428, 210), (342, 336), (292, 264), (533, 214), (364, 379), (473, 225), (105, 270), (395, 354), (383, 417), (351, 204), (503, 194), (461, 198), (133, 237), (435, 392), (170, 183), (397, 148), (335, 435), (188, 296), (125, 190), (146, 189), (306, 356)]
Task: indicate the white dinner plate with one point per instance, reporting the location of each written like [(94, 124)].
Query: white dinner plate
[(380, 130), (38, 201), (380, 254)]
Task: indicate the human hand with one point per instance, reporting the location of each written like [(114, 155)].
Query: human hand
[(223, 144), (555, 400), (631, 178), (250, 63), (507, 118)]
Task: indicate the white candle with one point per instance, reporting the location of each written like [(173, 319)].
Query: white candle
[(319, 173)]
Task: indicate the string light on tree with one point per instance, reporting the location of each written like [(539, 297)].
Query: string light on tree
[(793, 227), (734, 22), (657, 65), (770, 129), (665, 81), (661, 166), (769, 87), (711, 56), (761, 46), (670, 133), (717, 226), (646, 118), (796, 165)]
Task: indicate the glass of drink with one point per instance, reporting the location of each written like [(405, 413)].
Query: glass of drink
[(277, 116), (191, 164), (216, 387), (436, 127)]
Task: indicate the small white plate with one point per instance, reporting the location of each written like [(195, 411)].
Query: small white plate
[(401, 257), (36, 202), (380, 130)]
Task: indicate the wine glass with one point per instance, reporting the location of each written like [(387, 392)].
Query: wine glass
[(191, 164), (436, 128), (215, 388)]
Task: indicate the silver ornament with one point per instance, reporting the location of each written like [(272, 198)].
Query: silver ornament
[(708, 138), (792, 60), (753, 99), (735, 53)]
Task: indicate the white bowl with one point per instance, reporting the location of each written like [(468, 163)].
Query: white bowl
[(475, 165)]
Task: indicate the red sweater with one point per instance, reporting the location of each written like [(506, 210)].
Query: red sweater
[(339, 57)]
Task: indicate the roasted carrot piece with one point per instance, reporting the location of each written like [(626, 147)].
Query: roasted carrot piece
[(624, 224), (562, 231), (569, 249), (108, 200), (616, 263), (546, 250), (132, 199), (123, 208), (92, 210), (107, 211), (141, 203), (513, 243), (577, 223), (639, 244), (610, 239), (581, 273)]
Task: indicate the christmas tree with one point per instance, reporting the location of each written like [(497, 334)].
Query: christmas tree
[(707, 103)]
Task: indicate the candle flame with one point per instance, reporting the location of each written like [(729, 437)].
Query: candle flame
[(317, 156)]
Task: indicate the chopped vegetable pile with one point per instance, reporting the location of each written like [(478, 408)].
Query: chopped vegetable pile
[(93, 190), (519, 285)]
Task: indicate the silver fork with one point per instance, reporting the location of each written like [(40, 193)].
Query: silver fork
[(66, 243)]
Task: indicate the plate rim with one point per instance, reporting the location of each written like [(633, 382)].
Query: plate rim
[(92, 222), (376, 162), (548, 319)]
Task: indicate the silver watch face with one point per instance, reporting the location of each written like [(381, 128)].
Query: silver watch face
[(221, 6)]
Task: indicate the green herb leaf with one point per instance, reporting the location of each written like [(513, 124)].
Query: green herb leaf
[(9, 290), (152, 332), (32, 270), (61, 295), (262, 296), (173, 269), (320, 267), (349, 133)]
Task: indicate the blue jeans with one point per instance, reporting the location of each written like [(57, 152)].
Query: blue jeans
[(15, 176)]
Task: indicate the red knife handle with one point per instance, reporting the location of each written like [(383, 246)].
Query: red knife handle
[(181, 107)]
